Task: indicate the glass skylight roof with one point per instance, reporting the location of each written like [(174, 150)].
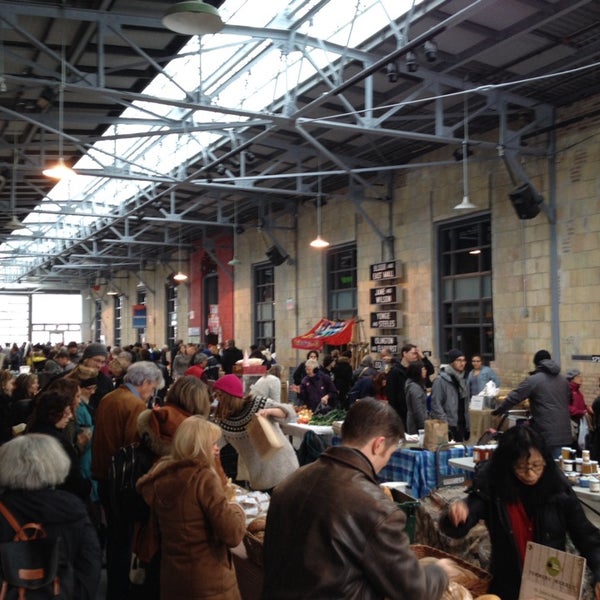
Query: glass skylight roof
[(234, 70)]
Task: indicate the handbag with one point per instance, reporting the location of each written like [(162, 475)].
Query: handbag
[(436, 433), (263, 436)]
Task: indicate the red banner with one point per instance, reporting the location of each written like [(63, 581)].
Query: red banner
[(334, 333)]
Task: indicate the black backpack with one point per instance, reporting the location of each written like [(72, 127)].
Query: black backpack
[(310, 449), (127, 466), (33, 566)]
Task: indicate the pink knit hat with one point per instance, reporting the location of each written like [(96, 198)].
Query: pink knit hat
[(230, 384)]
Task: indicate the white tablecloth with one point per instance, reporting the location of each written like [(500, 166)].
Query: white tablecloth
[(297, 431)]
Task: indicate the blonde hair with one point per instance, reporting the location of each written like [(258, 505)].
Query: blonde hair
[(191, 394), (195, 438), (229, 405)]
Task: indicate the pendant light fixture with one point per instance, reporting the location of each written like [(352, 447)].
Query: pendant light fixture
[(60, 170), (180, 276), (319, 243), (14, 224), (466, 202), (234, 260), (193, 17)]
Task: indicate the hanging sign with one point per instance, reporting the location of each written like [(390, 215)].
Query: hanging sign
[(379, 342), (213, 319), (139, 316), (383, 295), (384, 320), (384, 270)]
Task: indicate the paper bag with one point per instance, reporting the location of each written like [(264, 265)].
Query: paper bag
[(263, 436), (436, 433)]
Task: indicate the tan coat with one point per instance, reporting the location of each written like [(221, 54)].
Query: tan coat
[(197, 526), (115, 426)]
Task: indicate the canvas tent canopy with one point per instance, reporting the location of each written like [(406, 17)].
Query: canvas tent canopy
[(333, 333)]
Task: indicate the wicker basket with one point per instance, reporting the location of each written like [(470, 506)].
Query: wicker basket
[(254, 548), (483, 577)]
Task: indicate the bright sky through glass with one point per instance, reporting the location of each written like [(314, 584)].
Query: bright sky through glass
[(228, 69)]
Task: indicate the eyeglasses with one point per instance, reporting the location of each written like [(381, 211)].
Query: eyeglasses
[(535, 468)]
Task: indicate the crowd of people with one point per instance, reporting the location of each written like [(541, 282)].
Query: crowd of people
[(81, 403)]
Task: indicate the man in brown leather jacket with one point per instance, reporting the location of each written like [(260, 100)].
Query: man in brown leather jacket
[(331, 531)]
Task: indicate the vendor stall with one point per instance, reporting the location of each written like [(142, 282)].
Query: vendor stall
[(418, 468)]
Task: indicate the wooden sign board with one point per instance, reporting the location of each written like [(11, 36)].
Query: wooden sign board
[(383, 295), (384, 320), (379, 342), (384, 270), (550, 574)]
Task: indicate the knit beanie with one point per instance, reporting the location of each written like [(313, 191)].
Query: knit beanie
[(541, 355), (454, 354), (95, 349), (230, 384)]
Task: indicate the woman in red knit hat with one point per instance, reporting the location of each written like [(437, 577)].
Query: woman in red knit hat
[(234, 413)]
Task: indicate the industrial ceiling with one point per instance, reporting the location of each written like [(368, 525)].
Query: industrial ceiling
[(71, 71)]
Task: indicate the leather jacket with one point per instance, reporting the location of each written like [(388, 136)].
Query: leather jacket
[(333, 534)]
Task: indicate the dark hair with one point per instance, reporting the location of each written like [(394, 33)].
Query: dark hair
[(516, 443), (22, 383), (368, 418), (49, 407), (541, 355), (406, 348), (66, 386), (414, 371), (379, 381)]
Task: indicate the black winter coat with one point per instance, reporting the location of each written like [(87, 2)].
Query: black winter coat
[(549, 396), (62, 514), (560, 514), (395, 383)]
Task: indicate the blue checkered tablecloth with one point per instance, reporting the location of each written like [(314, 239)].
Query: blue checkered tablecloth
[(418, 468)]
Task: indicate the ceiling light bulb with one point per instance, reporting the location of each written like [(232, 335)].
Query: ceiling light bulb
[(234, 261), (59, 171), (180, 276), (319, 242)]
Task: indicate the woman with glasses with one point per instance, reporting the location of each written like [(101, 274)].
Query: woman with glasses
[(522, 496)]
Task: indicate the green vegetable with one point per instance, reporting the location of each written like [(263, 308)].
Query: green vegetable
[(337, 414)]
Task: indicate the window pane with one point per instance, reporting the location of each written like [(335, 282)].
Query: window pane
[(467, 312), (486, 281), (467, 237), (448, 287), (466, 288), (466, 263), (264, 313), (465, 284), (341, 283)]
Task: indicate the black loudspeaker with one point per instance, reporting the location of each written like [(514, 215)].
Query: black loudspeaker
[(526, 201), (275, 256)]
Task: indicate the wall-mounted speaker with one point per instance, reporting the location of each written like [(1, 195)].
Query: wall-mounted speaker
[(526, 201), (275, 256)]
